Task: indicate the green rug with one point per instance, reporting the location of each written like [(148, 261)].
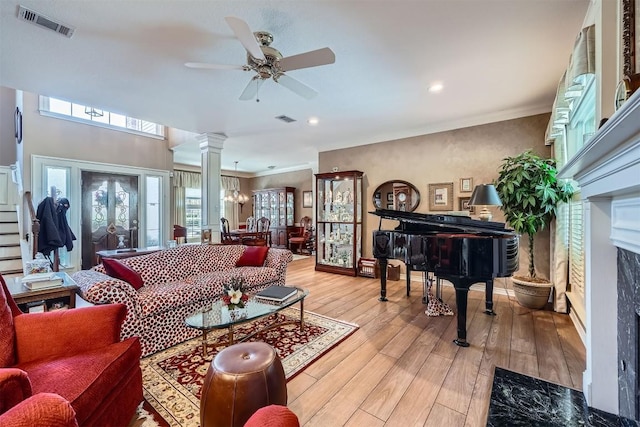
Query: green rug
[(172, 379)]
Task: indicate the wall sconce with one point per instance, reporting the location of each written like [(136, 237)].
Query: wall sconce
[(485, 195)]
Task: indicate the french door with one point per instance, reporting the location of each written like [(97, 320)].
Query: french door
[(109, 214)]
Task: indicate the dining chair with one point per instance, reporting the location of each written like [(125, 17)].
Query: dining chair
[(301, 237), (262, 237), (179, 234), (251, 224), (227, 239)]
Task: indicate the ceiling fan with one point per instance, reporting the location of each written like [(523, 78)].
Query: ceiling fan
[(267, 62)]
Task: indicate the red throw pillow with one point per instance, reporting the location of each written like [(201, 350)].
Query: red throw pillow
[(253, 256), (115, 268)]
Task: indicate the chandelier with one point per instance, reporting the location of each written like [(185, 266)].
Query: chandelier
[(236, 196), (93, 112)]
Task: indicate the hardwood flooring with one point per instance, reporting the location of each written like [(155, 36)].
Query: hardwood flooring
[(401, 368)]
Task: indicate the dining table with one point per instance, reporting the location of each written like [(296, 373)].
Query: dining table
[(242, 233)]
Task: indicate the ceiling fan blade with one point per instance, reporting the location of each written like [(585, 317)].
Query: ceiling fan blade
[(314, 58), (297, 86), (251, 91), (246, 37), (213, 66)]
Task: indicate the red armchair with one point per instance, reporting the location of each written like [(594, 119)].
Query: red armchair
[(67, 367)]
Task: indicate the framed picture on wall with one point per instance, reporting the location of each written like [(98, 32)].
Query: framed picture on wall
[(441, 196), (466, 185), (307, 199), (463, 204), (389, 197)]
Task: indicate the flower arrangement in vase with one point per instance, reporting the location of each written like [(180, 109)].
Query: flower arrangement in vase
[(233, 295)]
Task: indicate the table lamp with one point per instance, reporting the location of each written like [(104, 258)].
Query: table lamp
[(485, 195)]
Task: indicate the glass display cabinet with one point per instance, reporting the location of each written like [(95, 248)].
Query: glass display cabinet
[(278, 205), (339, 222)]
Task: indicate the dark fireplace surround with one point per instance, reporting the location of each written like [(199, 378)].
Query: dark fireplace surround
[(628, 325)]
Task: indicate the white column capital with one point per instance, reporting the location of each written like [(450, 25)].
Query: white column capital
[(211, 141)]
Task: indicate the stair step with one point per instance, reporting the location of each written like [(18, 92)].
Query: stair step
[(9, 239), (8, 216), (6, 275), (9, 227), (10, 251), (11, 264)]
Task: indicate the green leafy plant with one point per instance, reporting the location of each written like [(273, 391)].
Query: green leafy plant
[(530, 193)]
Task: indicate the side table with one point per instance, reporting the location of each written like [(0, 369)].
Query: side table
[(52, 298)]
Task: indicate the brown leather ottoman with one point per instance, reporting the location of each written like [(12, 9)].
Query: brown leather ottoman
[(241, 379)]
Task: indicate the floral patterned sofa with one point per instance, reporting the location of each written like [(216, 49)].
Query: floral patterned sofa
[(176, 283)]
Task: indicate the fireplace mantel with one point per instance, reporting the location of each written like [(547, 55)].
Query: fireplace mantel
[(607, 169)]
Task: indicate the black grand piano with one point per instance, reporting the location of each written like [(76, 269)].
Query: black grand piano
[(459, 249)]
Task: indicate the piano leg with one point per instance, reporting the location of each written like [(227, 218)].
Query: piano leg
[(383, 262), (461, 303), (408, 279), (461, 285), (489, 298)]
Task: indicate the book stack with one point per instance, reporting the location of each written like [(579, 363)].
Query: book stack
[(276, 293), (35, 281)]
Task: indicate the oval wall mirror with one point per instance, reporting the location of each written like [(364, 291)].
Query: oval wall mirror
[(396, 195)]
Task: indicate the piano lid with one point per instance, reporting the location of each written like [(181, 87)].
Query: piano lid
[(412, 222)]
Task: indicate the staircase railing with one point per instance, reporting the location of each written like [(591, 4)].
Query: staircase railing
[(32, 236)]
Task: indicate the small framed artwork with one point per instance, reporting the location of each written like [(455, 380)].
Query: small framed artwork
[(463, 204), (389, 197), (441, 196), (466, 185), (307, 199), (390, 206)]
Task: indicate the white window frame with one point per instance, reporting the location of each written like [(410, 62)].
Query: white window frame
[(44, 110)]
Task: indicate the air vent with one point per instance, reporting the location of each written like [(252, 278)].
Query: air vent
[(285, 119), (44, 22)]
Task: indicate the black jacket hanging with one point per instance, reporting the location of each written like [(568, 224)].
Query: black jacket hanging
[(64, 230), (54, 228)]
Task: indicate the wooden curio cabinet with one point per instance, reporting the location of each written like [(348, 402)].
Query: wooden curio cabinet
[(277, 204), (339, 221)]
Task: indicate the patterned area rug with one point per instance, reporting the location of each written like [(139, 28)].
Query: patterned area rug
[(172, 379)]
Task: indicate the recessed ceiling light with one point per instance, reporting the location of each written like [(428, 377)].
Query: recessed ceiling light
[(312, 121), (436, 87)]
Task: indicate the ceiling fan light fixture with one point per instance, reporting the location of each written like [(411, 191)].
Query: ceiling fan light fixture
[(268, 63)]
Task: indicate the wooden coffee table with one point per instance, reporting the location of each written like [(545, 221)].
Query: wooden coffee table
[(219, 317)]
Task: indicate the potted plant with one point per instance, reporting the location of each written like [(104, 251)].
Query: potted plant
[(530, 192)]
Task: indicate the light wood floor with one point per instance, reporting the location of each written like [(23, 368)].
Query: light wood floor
[(401, 367)]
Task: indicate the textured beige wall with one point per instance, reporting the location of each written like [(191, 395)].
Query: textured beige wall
[(474, 152), (302, 180), (7, 129), (47, 136)]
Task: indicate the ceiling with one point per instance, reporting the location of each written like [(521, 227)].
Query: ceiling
[(497, 60)]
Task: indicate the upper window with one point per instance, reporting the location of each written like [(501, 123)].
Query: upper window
[(77, 112)]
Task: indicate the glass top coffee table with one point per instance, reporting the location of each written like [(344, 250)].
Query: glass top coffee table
[(218, 316)]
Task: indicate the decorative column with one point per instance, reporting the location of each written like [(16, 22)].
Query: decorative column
[(211, 145)]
